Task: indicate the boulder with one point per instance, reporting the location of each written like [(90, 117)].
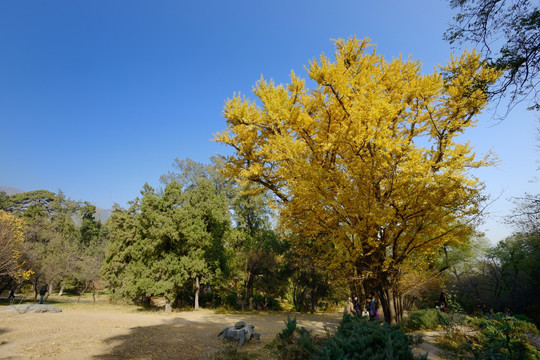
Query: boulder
[(240, 332)]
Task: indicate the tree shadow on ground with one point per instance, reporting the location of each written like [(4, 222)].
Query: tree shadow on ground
[(175, 339), (182, 337)]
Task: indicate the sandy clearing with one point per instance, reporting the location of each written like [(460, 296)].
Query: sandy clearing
[(107, 334)]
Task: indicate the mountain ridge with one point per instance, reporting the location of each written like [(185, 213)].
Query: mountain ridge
[(10, 190)]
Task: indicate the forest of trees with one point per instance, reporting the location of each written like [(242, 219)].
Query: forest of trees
[(198, 239), (63, 245), (201, 240), (358, 185)]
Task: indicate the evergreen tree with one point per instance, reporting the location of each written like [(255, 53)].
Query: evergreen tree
[(166, 243)]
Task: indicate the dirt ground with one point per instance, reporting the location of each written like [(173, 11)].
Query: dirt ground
[(98, 333)]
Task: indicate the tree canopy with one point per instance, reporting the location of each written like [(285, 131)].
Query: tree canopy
[(508, 33), (11, 246), (167, 241), (369, 157)]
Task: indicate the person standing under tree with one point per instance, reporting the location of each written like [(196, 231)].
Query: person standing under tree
[(42, 293), (372, 307), (12, 292), (349, 309), (443, 302), (356, 304)]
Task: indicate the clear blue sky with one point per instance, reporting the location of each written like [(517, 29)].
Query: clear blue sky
[(99, 97)]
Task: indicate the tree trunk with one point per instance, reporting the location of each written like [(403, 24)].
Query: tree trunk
[(168, 307), (242, 302), (249, 290), (399, 301), (82, 292), (61, 290), (197, 290), (390, 314), (36, 289), (49, 291), (356, 285), (314, 300), (387, 297)]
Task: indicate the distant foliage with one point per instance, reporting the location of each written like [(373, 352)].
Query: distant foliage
[(63, 241), (20, 202), (506, 276)]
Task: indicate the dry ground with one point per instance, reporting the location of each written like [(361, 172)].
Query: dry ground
[(106, 332), (100, 332)]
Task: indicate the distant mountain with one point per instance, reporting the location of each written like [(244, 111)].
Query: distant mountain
[(102, 214), (9, 190)]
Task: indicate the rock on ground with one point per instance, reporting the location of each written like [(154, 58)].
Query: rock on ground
[(33, 308)]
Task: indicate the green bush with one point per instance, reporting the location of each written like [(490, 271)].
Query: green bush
[(356, 338), (427, 319), (294, 343), (500, 337)]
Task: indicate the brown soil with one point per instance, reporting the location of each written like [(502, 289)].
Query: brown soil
[(100, 333)]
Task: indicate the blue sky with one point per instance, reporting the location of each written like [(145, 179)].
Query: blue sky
[(99, 97)]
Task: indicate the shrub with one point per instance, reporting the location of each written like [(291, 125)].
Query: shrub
[(356, 338), (500, 337), (427, 319), (294, 343)]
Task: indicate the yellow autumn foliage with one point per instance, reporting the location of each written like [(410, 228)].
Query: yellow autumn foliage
[(370, 156), (11, 246)]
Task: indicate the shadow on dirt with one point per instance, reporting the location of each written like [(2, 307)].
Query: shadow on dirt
[(177, 338), (189, 339)]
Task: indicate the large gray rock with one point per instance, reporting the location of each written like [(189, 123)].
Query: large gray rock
[(240, 332), (33, 308)]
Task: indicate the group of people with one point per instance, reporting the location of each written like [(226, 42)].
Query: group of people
[(42, 292), (354, 307), (441, 304)]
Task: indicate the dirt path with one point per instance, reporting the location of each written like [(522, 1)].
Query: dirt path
[(108, 334), (429, 345)]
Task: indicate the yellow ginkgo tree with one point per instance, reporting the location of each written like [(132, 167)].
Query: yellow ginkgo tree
[(369, 157), (11, 247)]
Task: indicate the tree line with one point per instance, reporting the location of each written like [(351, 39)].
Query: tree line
[(360, 184), (201, 240), (61, 243)]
